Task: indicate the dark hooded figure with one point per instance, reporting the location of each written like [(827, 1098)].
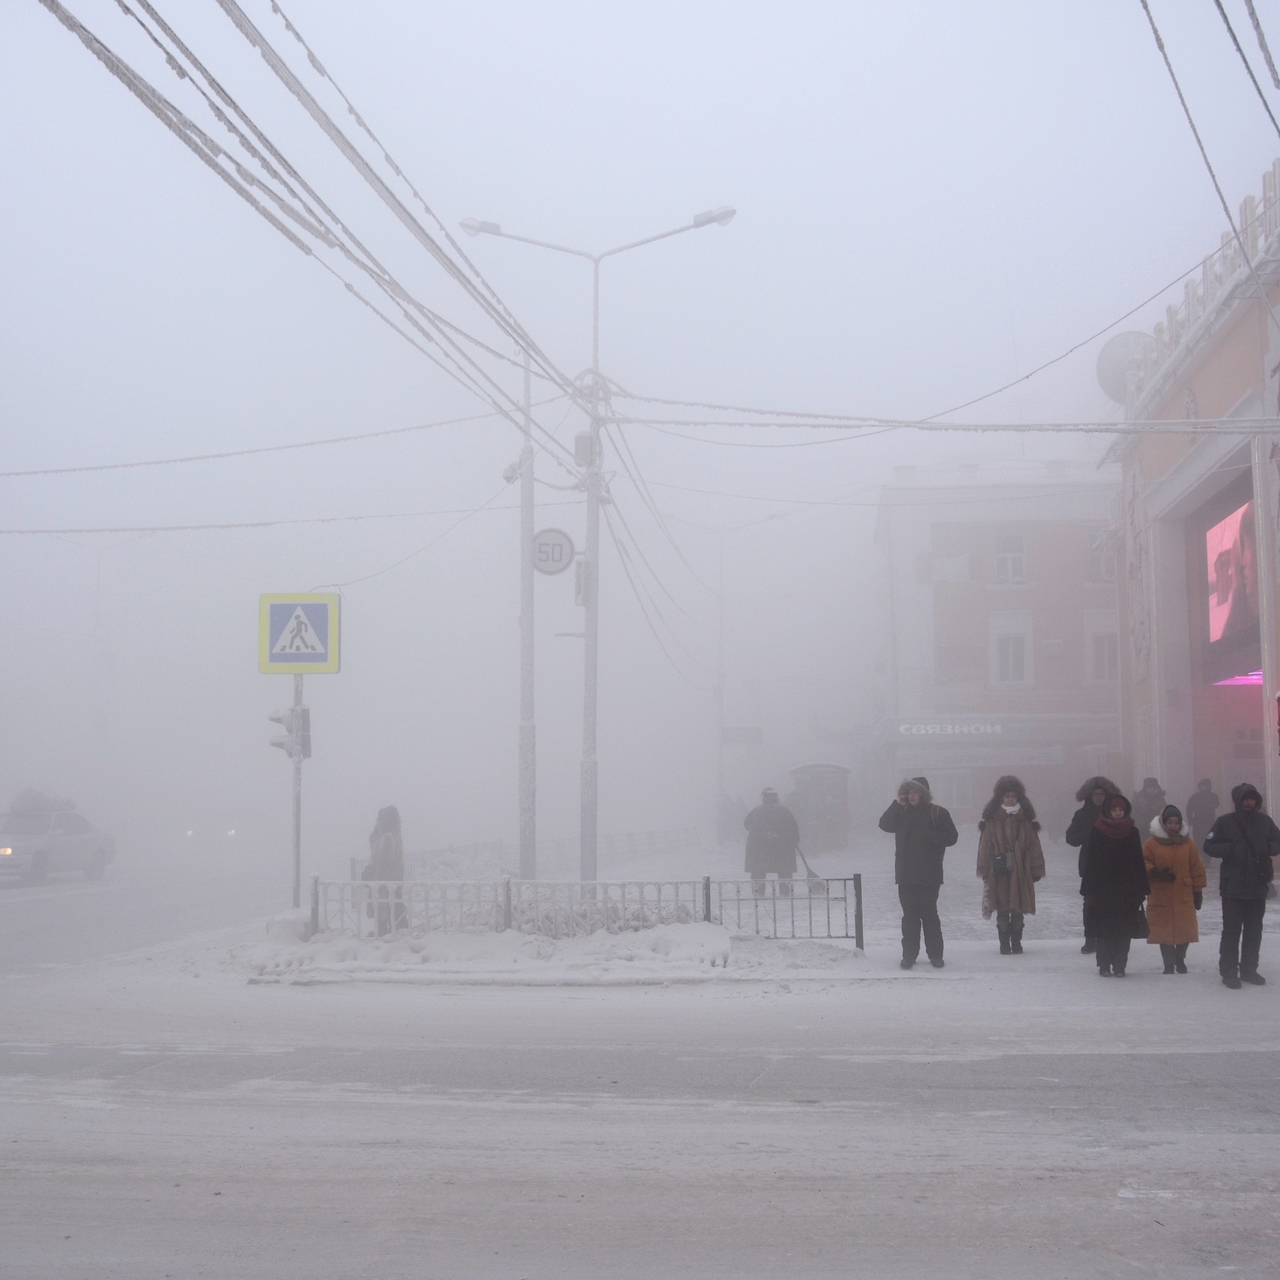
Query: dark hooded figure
[(922, 833), (1148, 803), (773, 836), (1010, 861), (386, 865), (1114, 885), (1246, 841), (1093, 795), (1202, 809)]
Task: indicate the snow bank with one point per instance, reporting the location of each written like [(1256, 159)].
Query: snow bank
[(698, 952)]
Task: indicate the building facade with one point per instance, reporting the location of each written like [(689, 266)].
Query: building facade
[(1197, 536), (1003, 643)]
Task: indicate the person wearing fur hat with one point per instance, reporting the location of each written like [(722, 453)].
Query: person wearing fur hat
[(1010, 861), (1246, 841), (1114, 885), (922, 833), (1177, 878), (1093, 795), (1202, 809), (1148, 803)]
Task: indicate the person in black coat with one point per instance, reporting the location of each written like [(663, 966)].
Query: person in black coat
[(1093, 794), (773, 836), (1246, 841), (1202, 809), (1148, 803), (1114, 885), (922, 833)]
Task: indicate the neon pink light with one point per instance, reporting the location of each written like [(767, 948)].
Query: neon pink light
[(1254, 677)]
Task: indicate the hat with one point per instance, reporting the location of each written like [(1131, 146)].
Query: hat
[(768, 794), (1171, 811), (1150, 784)]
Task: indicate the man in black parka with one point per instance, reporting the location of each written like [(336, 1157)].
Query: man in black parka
[(1246, 841), (922, 833), (773, 836)]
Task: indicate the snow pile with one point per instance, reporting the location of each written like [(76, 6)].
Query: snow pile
[(676, 952)]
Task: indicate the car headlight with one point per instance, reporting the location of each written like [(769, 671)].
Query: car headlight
[(6, 853)]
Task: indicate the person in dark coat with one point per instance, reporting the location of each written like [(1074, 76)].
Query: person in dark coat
[(922, 833), (773, 835), (1093, 794), (1202, 809), (1246, 841), (386, 866), (1148, 803), (1114, 885)]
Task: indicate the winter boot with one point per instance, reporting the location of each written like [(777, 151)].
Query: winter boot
[(1090, 946), (1180, 958), (1167, 955), (1104, 968), (1254, 977), (1015, 938), (1005, 948), (1230, 980)]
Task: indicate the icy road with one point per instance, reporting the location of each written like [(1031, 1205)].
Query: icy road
[(1003, 1117)]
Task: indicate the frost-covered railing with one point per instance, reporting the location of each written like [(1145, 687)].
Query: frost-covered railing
[(803, 908)]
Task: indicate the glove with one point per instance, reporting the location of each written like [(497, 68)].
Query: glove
[(1198, 899), (1036, 879)]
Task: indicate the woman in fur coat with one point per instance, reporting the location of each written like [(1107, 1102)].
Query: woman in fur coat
[(1113, 886), (1177, 877), (1010, 861)]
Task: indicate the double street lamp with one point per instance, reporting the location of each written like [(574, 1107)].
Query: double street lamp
[(590, 457)]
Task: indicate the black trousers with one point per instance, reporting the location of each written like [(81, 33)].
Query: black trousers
[(1241, 935), (920, 912), (1113, 951)]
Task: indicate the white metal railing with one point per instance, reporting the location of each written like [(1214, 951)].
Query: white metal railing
[(802, 908), (1259, 223)]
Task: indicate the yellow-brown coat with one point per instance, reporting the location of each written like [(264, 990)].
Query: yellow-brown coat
[(1171, 908)]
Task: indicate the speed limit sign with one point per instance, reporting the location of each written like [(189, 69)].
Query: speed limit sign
[(552, 551)]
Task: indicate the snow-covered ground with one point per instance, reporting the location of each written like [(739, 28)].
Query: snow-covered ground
[(672, 1103)]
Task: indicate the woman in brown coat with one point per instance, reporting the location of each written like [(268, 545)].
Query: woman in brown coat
[(1010, 861), (1177, 877)]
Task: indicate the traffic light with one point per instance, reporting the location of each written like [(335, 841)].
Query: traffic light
[(295, 742)]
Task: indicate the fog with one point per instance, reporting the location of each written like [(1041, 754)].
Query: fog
[(932, 200)]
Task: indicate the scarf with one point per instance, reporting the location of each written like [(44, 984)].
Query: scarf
[(1017, 808), (1110, 827)]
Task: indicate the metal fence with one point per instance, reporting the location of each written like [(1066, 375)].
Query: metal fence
[(812, 908)]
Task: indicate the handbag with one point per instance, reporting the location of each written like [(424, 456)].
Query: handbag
[(1001, 864), (1140, 928)]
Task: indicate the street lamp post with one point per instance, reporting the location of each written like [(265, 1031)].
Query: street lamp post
[(593, 482)]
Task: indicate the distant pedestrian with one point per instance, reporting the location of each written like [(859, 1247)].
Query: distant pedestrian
[(1093, 793), (1113, 886), (773, 835), (1202, 809), (1010, 861), (922, 833), (1148, 803), (386, 866), (1246, 841), (1177, 878)]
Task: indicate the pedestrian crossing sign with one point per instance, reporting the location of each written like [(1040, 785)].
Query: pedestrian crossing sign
[(298, 634)]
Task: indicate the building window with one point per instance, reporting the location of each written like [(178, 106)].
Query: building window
[(1101, 646), (1102, 560), (1106, 657), (1011, 558), (1011, 659), (1011, 648)]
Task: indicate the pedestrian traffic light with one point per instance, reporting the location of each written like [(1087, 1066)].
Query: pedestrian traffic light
[(295, 742)]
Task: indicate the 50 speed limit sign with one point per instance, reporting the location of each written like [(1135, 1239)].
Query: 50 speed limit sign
[(553, 551)]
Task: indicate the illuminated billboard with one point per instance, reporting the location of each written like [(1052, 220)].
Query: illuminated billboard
[(1231, 554)]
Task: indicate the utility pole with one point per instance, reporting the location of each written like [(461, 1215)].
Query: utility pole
[(297, 791), (1264, 541), (528, 755), (588, 456)]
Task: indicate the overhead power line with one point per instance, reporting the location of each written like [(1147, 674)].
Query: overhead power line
[(1262, 97), (1262, 42)]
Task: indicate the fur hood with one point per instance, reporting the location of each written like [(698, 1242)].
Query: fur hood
[(917, 784), (1010, 783), (1157, 830), (1090, 785)]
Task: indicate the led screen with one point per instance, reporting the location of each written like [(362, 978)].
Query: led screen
[(1231, 551)]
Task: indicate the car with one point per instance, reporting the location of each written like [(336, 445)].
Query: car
[(36, 843)]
